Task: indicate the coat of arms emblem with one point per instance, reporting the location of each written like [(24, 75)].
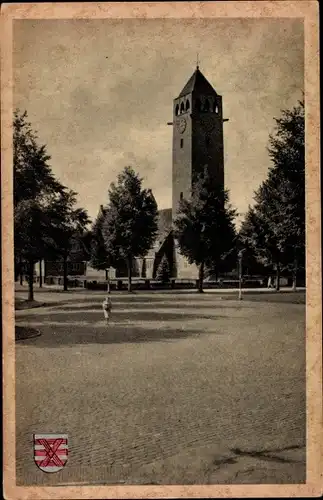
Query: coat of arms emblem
[(50, 451)]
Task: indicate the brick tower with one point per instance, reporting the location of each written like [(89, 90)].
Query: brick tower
[(197, 136), (197, 142)]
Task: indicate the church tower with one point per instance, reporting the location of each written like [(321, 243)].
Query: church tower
[(197, 136)]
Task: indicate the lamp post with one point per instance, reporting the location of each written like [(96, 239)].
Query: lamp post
[(107, 277), (240, 273), (201, 269)]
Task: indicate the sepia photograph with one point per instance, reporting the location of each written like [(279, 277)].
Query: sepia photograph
[(159, 277)]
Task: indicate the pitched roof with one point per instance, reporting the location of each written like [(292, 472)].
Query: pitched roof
[(164, 228), (164, 223), (197, 83)]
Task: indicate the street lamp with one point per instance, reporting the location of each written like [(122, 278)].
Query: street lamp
[(240, 254), (107, 277)]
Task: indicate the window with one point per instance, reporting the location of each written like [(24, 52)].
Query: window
[(207, 105), (182, 108), (187, 105), (198, 104), (177, 110), (215, 108), (181, 195), (182, 143)]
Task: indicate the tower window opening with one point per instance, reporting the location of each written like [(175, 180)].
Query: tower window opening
[(177, 110), (181, 195), (182, 143), (198, 104), (187, 105), (207, 105), (215, 108), (182, 108)]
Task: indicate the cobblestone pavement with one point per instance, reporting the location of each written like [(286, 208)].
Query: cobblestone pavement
[(177, 389)]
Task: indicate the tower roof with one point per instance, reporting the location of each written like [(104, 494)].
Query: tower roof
[(197, 83)]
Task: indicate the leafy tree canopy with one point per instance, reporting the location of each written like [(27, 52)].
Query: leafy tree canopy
[(33, 176), (130, 222), (275, 226), (204, 227)]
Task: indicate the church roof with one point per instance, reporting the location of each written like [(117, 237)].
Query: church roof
[(164, 228), (197, 83), (164, 222)]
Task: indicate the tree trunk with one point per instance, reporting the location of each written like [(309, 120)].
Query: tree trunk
[(295, 269), (277, 277), (65, 273), (40, 274), (31, 280), (201, 277), (21, 276), (16, 269), (129, 264)]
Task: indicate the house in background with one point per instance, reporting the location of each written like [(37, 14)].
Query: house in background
[(51, 271)]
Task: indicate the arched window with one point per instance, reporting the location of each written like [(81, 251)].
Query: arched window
[(215, 108), (207, 105), (177, 110), (187, 105), (182, 107)]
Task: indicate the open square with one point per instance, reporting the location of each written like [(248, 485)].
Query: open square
[(180, 388)]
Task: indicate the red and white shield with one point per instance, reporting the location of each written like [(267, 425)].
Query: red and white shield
[(50, 451)]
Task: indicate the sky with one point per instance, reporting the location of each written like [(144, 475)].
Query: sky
[(99, 93)]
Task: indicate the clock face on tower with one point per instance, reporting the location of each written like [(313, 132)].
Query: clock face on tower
[(181, 125)]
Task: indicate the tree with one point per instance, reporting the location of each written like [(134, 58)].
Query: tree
[(32, 236), (287, 152), (32, 173), (275, 226), (258, 240), (130, 222), (35, 187), (163, 271), (99, 257), (204, 227), (67, 223)]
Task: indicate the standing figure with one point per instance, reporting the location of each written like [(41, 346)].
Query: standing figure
[(107, 306)]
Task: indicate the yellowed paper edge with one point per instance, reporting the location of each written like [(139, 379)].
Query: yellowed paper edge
[(308, 10)]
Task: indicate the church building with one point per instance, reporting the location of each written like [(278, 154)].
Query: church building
[(197, 143)]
